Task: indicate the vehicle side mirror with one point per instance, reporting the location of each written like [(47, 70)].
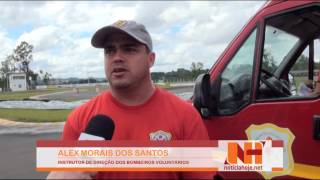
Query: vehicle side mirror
[(204, 96)]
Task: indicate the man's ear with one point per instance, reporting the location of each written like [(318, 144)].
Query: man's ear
[(151, 59)]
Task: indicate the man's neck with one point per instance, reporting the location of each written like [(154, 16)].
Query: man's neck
[(134, 96)]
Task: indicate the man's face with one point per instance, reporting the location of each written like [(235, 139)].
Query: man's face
[(127, 61)]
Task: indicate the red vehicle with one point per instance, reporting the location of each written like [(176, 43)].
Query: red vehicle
[(256, 89)]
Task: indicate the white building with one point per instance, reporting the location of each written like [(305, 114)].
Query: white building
[(18, 81)]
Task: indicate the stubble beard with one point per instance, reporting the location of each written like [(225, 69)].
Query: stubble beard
[(120, 85)]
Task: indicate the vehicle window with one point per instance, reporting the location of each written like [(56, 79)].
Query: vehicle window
[(277, 45), (236, 78), (285, 60), (304, 86), (300, 84)]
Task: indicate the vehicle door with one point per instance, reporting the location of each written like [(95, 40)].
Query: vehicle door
[(259, 93)]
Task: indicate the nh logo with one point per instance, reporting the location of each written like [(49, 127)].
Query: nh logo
[(251, 149)]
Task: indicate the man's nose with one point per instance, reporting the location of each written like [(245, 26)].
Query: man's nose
[(118, 56)]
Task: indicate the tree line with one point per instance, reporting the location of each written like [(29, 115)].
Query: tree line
[(301, 64), (180, 75), (20, 59)]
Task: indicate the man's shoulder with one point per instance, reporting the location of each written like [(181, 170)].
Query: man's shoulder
[(81, 114), (94, 102)]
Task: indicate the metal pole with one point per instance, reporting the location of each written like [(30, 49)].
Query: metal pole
[(88, 77), (311, 61), (7, 89)]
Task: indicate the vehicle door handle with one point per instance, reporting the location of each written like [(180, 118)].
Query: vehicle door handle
[(316, 127)]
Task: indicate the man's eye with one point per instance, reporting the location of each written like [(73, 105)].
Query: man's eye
[(130, 49), (109, 50)]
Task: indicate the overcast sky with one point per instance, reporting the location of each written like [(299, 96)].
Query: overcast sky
[(183, 32)]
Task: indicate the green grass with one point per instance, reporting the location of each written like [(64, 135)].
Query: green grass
[(164, 86), (92, 89), (34, 115), (21, 95), (27, 94)]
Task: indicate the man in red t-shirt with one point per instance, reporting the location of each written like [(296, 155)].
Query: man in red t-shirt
[(140, 110)]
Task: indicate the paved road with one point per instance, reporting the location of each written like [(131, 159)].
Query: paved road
[(18, 155), (87, 95)]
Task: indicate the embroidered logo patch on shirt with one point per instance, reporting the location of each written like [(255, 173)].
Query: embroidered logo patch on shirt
[(160, 136)]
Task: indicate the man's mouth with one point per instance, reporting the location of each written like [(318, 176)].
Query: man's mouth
[(118, 71)]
